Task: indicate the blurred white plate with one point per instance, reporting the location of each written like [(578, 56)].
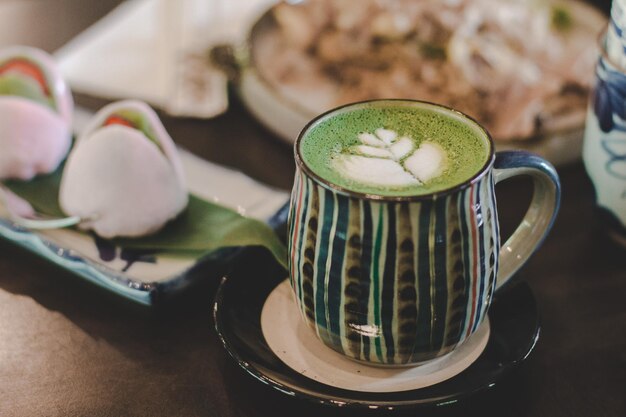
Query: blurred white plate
[(286, 117)]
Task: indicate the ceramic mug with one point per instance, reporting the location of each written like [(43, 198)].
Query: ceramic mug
[(403, 280)]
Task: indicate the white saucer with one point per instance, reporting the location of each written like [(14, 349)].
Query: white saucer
[(297, 346)]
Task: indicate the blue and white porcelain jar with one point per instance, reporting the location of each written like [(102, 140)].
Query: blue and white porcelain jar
[(604, 150)]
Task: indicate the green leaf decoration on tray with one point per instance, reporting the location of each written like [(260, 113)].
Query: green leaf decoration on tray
[(202, 228)]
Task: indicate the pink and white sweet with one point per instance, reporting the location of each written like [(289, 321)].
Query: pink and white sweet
[(124, 177), (35, 113)]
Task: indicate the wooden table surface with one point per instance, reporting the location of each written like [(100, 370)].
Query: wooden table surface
[(68, 348)]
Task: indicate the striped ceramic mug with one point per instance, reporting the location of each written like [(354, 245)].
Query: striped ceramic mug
[(402, 280)]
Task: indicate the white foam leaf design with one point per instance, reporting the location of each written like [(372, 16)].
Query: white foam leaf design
[(387, 136), (383, 159), (371, 140), (427, 162), (402, 148), (372, 151)]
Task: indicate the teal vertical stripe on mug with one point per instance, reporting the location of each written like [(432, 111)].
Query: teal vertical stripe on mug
[(393, 281)]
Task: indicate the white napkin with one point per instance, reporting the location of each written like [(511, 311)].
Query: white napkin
[(156, 51)]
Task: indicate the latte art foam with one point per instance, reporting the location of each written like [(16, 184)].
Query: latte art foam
[(384, 159), (394, 148)]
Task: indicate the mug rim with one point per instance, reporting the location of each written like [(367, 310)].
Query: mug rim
[(301, 164)]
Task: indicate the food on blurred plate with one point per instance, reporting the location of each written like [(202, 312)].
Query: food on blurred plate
[(521, 67), (124, 176), (35, 113)]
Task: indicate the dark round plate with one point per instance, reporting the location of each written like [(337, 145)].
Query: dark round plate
[(237, 312)]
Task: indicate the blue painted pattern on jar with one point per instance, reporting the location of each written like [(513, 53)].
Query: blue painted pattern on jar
[(604, 148)]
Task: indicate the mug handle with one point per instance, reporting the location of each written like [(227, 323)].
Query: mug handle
[(541, 213)]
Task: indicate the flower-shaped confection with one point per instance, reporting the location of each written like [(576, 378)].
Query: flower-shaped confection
[(35, 113), (124, 176)]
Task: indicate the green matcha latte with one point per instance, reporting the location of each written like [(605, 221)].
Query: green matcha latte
[(394, 148)]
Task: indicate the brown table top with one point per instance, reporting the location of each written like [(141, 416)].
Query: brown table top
[(68, 348)]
